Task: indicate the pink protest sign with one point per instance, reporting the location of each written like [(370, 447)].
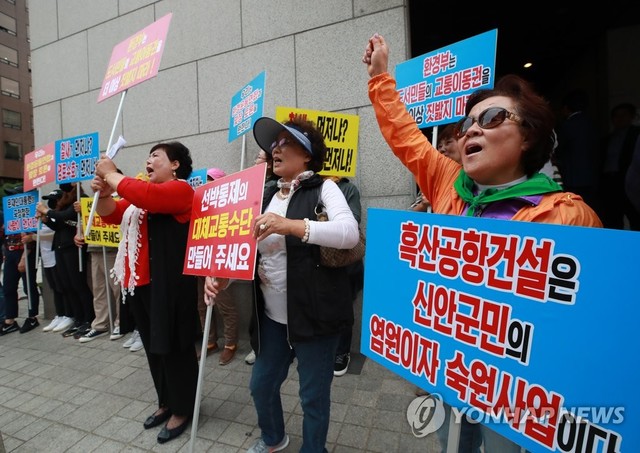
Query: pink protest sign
[(39, 167), (221, 242), (135, 59)]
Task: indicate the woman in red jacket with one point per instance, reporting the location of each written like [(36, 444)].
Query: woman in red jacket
[(154, 224)]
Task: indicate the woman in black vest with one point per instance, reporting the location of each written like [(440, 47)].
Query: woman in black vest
[(302, 307)]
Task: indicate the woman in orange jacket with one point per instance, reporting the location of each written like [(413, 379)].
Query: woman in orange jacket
[(505, 139)]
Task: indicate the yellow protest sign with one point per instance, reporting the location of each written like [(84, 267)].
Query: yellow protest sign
[(101, 233), (340, 133)]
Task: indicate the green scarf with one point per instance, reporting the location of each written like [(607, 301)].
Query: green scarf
[(536, 185)]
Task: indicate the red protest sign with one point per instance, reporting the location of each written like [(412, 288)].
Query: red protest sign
[(221, 243), (39, 167)]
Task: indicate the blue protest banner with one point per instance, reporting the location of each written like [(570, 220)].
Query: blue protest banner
[(435, 86), (197, 177), (526, 327), (246, 107), (76, 158), (20, 212)]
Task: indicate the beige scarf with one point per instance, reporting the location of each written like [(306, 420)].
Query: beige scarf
[(129, 247)]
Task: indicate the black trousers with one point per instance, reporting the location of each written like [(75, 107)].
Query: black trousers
[(56, 288), (175, 375), (76, 291)]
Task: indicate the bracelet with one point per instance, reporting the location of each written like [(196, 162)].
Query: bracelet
[(305, 238)]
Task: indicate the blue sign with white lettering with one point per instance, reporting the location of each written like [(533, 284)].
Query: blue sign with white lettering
[(76, 158), (20, 212), (246, 107), (197, 177), (435, 86)]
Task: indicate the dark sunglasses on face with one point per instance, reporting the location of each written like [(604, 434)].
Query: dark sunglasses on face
[(280, 143), (488, 119)]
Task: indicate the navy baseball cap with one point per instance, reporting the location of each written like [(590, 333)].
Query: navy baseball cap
[(266, 130)]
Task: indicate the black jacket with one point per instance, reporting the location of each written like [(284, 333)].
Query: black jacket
[(64, 224), (318, 298)]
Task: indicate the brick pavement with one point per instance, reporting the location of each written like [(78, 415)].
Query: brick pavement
[(59, 395)]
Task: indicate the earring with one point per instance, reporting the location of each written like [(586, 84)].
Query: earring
[(174, 174)]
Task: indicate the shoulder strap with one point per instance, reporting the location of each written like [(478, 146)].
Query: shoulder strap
[(320, 208)]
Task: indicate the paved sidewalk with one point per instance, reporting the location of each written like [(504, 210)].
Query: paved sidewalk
[(59, 395)]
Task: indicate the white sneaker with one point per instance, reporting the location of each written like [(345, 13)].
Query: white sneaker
[(250, 358), (132, 339), (261, 447), (116, 335), (64, 324), (54, 322), (137, 344)]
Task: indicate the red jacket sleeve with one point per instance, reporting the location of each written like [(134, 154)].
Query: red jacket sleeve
[(172, 197)]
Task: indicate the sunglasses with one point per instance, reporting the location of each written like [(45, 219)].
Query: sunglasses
[(280, 143), (488, 119)]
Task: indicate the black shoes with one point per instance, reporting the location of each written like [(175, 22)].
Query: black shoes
[(8, 328), (341, 364), (71, 331), (77, 329), (83, 329), (154, 420), (167, 434), (29, 324)]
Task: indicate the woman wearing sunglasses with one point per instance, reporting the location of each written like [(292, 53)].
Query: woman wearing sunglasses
[(505, 139), (301, 308)]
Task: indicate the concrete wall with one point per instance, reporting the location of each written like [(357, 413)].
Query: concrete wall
[(311, 51)]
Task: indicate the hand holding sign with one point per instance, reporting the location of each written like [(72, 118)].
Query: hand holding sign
[(212, 287), (101, 186), (105, 166)]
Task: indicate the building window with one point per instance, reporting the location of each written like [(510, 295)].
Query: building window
[(12, 151), (10, 87), (11, 119), (8, 55), (7, 24)]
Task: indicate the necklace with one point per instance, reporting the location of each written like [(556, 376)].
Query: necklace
[(280, 203), (282, 195)]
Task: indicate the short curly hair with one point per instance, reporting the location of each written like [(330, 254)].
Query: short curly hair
[(319, 148), (538, 119), (177, 151)]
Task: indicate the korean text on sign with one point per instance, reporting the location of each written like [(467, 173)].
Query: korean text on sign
[(221, 242)]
